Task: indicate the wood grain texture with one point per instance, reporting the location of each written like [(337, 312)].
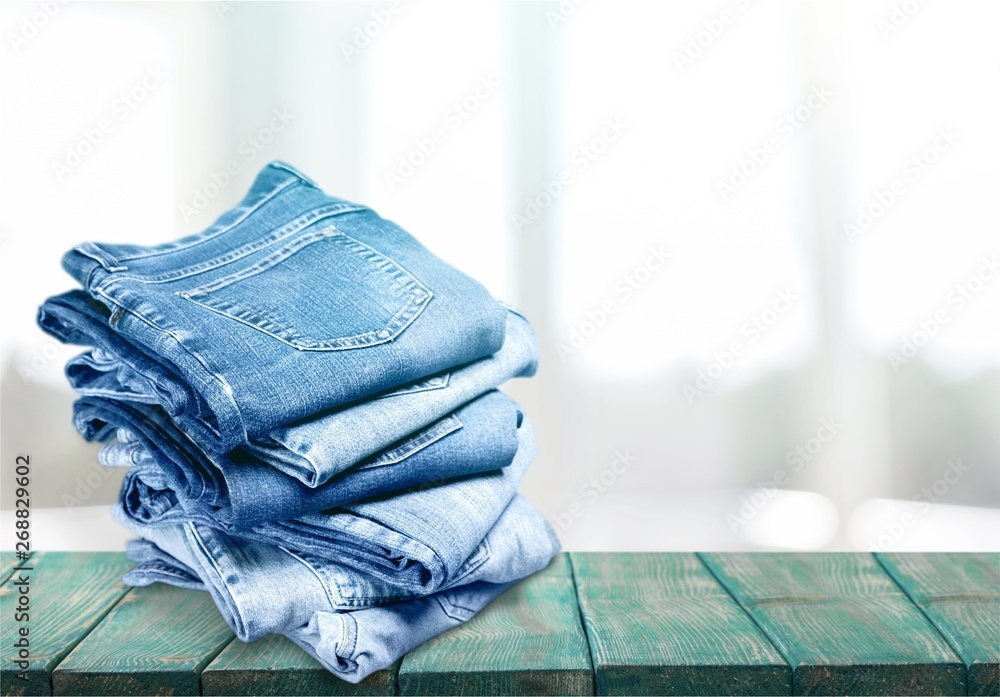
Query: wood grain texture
[(156, 641), (529, 641), (661, 624), (8, 561), (69, 593), (842, 623), (960, 594), (273, 665)]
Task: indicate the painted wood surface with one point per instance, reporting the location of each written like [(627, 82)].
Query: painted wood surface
[(842, 623), (273, 665), (68, 595), (610, 623), (528, 641), (960, 594), (156, 641), (7, 563), (661, 624)]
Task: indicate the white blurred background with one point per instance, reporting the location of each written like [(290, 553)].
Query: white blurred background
[(758, 239)]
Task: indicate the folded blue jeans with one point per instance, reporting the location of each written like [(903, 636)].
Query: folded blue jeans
[(324, 445), (319, 448), (418, 539), (291, 303), (352, 623), (171, 480)]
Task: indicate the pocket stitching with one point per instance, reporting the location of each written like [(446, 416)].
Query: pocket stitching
[(413, 305), (415, 444), (438, 382)]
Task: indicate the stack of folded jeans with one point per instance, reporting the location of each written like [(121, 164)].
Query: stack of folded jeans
[(305, 399)]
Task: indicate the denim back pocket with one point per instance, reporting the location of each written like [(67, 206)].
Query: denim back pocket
[(323, 291)]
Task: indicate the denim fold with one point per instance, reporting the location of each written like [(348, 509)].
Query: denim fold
[(352, 623), (417, 539), (170, 479), (306, 405), (291, 303)]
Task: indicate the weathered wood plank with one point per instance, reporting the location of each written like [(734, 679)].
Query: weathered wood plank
[(960, 594), (274, 665), (529, 641), (68, 595), (661, 624), (843, 625), (8, 560), (156, 641)]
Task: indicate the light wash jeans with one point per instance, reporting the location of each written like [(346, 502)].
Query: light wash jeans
[(417, 540), (318, 451), (292, 303), (354, 624), (171, 480)]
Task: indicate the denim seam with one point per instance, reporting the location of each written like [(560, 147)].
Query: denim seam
[(388, 537), (103, 257), (277, 164), (204, 238), (485, 557), (353, 635), (460, 607), (322, 582), (211, 559), (117, 394), (165, 572), (511, 308), (226, 389), (287, 230), (446, 606), (421, 386), (413, 446), (413, 304)]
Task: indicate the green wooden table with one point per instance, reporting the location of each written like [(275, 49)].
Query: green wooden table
[(666, 623)]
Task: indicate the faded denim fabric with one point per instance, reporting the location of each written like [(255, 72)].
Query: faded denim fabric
[(324, 445), (418, 539), (171, 480), (292, 303), (352, 623)]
